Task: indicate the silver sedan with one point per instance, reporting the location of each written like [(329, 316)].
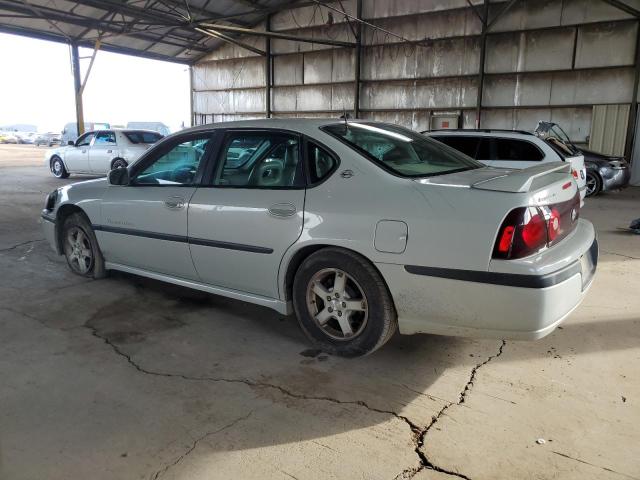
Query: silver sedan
[(359, 228)]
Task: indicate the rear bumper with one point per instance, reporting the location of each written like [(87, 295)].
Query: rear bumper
[(488, 304)]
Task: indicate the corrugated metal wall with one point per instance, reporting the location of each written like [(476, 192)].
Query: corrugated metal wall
[(545, 60)]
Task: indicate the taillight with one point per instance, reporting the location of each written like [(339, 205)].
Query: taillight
[(527, 230), (574, 172), (534, 231), (553, 224)]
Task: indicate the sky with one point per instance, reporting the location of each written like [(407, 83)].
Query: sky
[(36, 87)]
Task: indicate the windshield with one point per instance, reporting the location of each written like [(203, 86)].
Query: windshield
[(142, 137), (400, 150)]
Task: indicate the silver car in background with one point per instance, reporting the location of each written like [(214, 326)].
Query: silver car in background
[(99, 151), (359, 228)]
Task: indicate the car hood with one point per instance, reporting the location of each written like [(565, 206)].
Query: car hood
[(85, 190)]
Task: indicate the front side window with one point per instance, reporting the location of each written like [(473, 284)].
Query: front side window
[(85, 139), (105, 138), (259, 160), (178, 166), (400, 150)]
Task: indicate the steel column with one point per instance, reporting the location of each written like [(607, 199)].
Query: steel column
[(268, 69), (77, 84), (633, 111), (483, 49), (358, 60)]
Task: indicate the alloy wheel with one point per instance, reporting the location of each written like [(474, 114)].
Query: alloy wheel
[(57, 168), (337, 304), (78, 250), (592, 184)]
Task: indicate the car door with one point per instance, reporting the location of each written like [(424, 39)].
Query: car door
[(144, 224), (76, 157), (249, 212), (509, 152), (102, 152)]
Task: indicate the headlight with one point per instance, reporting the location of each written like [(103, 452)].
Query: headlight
[(52, 199), (617, 164)]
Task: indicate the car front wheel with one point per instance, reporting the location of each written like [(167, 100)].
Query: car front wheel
[(81, 248), (594, 184), (342, 303), (57, 168)]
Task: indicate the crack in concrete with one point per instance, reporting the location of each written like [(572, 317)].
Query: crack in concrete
[(620, 255), (195, 443), (596, 466), (422, 433), (418, 433), (21, 244)]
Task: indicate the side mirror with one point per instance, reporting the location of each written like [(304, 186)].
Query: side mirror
[(71, 143), (118, 176)]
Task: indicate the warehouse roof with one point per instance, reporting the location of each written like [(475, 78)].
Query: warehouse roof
[(158, 29)]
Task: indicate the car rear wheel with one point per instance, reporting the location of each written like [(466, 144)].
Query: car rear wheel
[(57, 168), (81, 248), (118, 163), (594, 184), (342, 303)]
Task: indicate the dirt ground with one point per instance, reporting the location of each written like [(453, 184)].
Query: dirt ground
[(128, 378)]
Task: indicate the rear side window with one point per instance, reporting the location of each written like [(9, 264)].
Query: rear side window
[(466, 145), (142, 137), (267, 159), (516, 150), (321, 162)]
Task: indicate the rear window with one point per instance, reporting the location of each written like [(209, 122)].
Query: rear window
[(142, 137), (401, 151), (466, 145), (517, 150)]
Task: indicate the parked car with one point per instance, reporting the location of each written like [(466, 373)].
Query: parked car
[(605, 172), (49, 139), (100, 151), (70, 130), (513, 149), (8, 138), (357, 227), (25, 137)]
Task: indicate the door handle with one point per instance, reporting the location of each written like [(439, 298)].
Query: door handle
[(282, 210), (174, 203), (109, 151), (84, 150)]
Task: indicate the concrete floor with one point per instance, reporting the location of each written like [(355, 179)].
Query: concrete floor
[(130, 378)]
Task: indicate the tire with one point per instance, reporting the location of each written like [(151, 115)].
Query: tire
[(81, 248), (118, 163), (57, 167), (594, 184), (372, 321)]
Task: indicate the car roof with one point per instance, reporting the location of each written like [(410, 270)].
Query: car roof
[(484, 132), (301, 125)]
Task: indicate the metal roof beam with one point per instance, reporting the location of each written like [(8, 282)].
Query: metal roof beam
[(624, 7), (56, 37), (282, 36), (104, 26), (226, 38)]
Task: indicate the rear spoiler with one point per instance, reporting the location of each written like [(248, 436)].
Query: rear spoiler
[(520, 181)]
